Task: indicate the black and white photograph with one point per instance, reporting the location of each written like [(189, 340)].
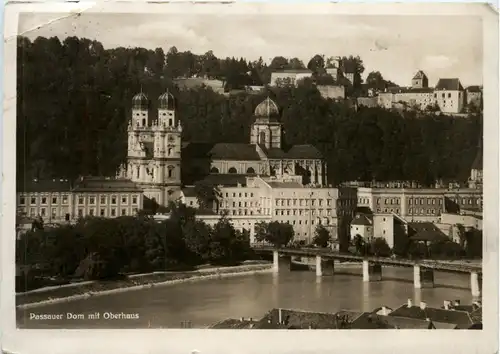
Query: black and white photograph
[(258, 170)]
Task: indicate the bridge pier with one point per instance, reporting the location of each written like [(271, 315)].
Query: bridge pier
[(371, 272), (276, 264), (422, 277), (319, 270), (474, 284)]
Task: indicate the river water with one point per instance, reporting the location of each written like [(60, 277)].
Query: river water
[(204, 302)]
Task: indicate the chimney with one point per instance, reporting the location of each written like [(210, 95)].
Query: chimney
[(279, 316), (457, 303), (423, 305), (447, 304), (410, 304)]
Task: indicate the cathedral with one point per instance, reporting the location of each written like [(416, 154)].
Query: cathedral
[(155, 149)]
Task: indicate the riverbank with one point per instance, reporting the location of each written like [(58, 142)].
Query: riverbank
[(85, 290)]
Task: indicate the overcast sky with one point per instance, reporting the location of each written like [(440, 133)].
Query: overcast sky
[(397, 46)]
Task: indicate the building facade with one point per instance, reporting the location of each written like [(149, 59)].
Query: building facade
[(154, 149), (59, 201)]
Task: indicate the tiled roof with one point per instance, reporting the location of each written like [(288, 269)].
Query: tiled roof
[(460, 318), (473, 89), (103, 184), (274, 153), (410, 90), (49, 185), (285, 185), (420, 75), (234, 151), (227, 180), (361, 220), (449, 84), (294, 319), (233, 324), (374, 321), (189, 192), (426, 231)]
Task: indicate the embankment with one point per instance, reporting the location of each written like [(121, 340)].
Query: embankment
[(138, 282)]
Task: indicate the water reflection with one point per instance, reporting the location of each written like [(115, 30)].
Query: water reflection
[(206, 302)]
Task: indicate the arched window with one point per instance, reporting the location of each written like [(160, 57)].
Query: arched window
[(171, 170), (169, 151), (250, 170), (232, 170), (143, 122), (262, 138), (214, 170), (138, 172)]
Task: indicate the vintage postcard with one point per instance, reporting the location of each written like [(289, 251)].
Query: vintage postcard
[(238, 171)]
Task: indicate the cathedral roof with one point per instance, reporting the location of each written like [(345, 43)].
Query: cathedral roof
[(295, 152), (267, 108), (234, 151), (140, 101), (166, 101)]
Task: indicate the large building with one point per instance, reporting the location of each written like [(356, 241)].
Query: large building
[(448, 96), (58, 201), (266, 153), (154, 149)]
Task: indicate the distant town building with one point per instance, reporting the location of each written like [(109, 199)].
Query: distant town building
[(474, 95), (448, 96), (336, 92), (289, 77)]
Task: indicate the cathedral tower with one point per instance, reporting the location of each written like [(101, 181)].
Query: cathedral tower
[(266, 130)]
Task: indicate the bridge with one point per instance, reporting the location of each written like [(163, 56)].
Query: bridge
[(423, 270)]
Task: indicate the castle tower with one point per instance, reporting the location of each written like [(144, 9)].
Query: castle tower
[(266, 130), (420, 80), (167, 148)]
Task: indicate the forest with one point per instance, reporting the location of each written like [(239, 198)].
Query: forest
[(74, 100)]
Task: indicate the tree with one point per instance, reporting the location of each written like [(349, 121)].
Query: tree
[(317, 64), (379, 247), (417, 250), (376, 81), (462, 235), (296, 63), (278, 63), (321, 236), (474, 244), (276, 233), (208, 196), (359, 244)]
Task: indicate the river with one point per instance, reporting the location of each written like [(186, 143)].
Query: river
[(205, 302)]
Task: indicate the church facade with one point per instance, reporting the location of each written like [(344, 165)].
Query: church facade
[(155, 149)]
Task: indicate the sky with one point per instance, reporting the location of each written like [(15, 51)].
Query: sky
[(397, 46)]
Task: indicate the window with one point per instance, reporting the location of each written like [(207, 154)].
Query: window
[(113, 200), (442, 95), (214, 170), (44, 200), (22, 200), (80, 200), (32, 211), (113, 212), (103, 200), (138, 172), (232, 170), (91, 200), (91, 212), (102, 212), (250, 170), (65, 199), (134, 200), (449, 95), (54, 200), (124, 212), (54, 212), (251, 195), (171, 170), (124, 200), (80, 212)]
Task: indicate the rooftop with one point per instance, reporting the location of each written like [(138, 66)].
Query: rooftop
[(285, 184), (47, 185), (361, 220), (449, 85), (105, 184), (460, 318), (425, 231)]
